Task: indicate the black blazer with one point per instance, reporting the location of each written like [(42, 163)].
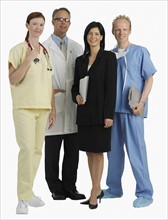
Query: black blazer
[(101, 96)]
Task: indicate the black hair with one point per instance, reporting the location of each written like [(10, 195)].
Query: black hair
[(98, 25)]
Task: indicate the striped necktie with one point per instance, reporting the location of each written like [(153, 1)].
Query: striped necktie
[(63, 48)]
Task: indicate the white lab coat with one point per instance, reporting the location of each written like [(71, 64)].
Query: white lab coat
[(63, 76)]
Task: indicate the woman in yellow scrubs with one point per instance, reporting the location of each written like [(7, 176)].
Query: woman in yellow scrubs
[(30, 76)]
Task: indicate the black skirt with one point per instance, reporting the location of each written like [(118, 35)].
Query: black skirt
[(94, 138)]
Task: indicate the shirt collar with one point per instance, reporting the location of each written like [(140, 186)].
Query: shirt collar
[(57, 39)]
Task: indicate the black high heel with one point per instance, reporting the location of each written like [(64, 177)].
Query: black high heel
[(91, 206), (85, 202), (100, 196)]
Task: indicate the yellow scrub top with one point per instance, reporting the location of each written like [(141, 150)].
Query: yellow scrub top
[(35, 89)]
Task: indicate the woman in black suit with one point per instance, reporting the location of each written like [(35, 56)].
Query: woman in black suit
[(95, 116)]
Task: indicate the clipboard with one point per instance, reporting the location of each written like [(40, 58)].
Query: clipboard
[(134, 97)]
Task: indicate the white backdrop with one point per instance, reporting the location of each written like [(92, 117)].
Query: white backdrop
[(149, 29)]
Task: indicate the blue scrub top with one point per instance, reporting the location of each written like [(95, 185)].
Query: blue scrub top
[(134, 67)]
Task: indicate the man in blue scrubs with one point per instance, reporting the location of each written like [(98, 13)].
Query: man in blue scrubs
[(136, 69)]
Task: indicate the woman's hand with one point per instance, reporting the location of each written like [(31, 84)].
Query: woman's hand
[(79, 100), (108, 123), (31, 55)]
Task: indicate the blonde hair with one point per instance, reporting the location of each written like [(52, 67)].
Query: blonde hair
[(121, 17)]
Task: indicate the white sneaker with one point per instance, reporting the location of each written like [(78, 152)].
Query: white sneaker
[(22, 207), (36, 202)]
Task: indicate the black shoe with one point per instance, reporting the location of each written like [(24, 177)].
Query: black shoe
[(74, 195), (93, 206), (59, 196), (85, 202), (100, 196)]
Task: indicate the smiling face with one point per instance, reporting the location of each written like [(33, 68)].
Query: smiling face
[(94, 37), (35, 27), (121, 31), (61, 23)]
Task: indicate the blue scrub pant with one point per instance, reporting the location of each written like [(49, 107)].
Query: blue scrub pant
[(129, 130)]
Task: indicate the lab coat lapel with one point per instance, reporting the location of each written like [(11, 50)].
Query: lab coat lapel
[(69, 50), (53, 46)]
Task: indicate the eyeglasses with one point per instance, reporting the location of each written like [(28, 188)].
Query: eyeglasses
[(66, 20)]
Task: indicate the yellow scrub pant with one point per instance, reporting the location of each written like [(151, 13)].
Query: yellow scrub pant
[(30, 126)]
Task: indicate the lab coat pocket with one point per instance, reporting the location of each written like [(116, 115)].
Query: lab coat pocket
[(60, 102)]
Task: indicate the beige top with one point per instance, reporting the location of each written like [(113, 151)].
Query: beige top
[(35, 90)]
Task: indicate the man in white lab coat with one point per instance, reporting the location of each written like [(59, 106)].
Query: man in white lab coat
[(63, 52)]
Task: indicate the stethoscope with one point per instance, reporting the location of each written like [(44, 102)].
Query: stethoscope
[(36, 60)]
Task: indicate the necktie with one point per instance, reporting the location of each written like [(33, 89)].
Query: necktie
[(63, 48)]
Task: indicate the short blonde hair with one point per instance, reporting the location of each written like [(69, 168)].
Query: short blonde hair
[(120, 17)]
